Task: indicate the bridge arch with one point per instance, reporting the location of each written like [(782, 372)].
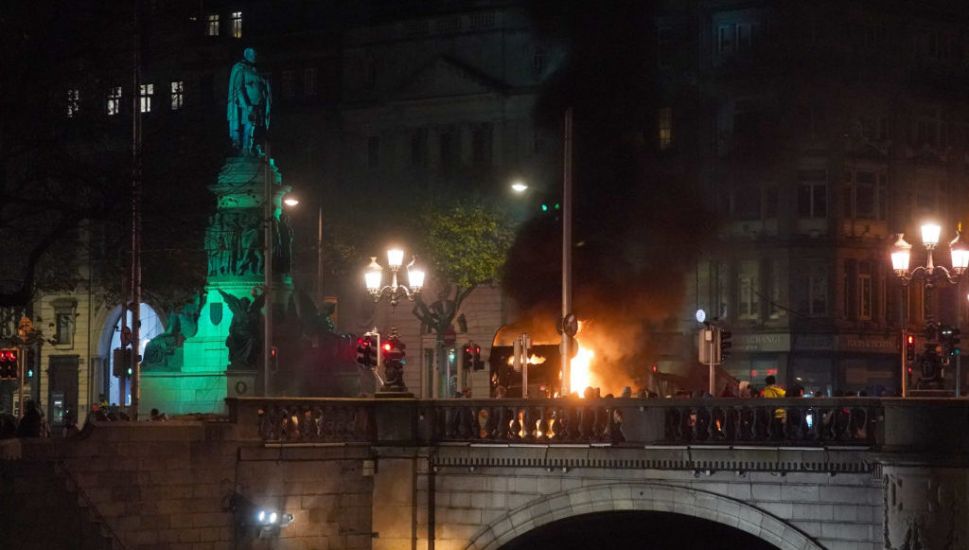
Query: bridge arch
[(645, 497)]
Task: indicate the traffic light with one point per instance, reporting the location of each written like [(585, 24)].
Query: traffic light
[(393, 350), (467, 356), (725, 344), (8, 364), (122, 363), (949, 337), (910, 347), (366, 351), (476, 362)]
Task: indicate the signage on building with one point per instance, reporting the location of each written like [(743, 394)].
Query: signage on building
[(814, 342), (867, 343), (762, 342)]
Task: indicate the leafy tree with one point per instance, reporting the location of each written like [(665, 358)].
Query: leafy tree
[(466, 244)]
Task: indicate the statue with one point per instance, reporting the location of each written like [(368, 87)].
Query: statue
[(248, 105), (243, 340), (182, 324)]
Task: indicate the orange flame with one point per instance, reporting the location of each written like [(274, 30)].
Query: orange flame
[(532, 360)]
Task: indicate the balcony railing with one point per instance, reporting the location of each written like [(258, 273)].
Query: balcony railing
[(618, 422)]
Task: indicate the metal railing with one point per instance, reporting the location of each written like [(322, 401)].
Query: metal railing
[(620, 422)]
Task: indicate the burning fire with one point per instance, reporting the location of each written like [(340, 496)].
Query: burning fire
[(580, 375), (532, 360)]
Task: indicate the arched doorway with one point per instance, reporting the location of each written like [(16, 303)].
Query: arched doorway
[(151, 326), (639, 530), (650, 498)]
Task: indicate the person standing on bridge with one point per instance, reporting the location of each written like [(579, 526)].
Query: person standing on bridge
[(773, 391)]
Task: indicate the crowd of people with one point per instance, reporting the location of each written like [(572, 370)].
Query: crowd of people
[(34, 423)]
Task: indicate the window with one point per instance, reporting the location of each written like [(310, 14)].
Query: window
[(114, 101), (373, 151), (847, 288), (865, 294), (147, 91), (725, 38), (288, 84), (236, 24), (309, 81), (865, 195), (723, 288), (817, 300), (538, 62), (665, 128), (748, 283), (812, 194), (418, 147), (212, 28), (178, 94), (64, 329), (481, 138), (777, 293), (73, 102)]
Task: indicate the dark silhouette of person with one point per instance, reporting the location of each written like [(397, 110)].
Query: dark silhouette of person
[(30, 423)]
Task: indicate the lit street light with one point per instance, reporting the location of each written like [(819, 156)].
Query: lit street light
[(374, 278), (519, 186), (930, 274)]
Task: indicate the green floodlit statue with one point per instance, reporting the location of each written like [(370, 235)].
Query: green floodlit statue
[(248, 106)]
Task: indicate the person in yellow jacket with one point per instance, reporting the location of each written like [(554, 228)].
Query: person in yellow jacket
[(773, 391)]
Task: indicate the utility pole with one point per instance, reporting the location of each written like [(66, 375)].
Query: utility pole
[(566, 346), (319, 258), (136, 175)]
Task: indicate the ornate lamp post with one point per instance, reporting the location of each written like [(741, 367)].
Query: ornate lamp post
[(375, 273), (930, 274), (902, 253), (393, 348)]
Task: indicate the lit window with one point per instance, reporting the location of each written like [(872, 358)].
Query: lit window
[(309, 81), (178, 94), (236, 24), (665, 125), (114, 101), (146, 93), (73, 102), (212, 29)]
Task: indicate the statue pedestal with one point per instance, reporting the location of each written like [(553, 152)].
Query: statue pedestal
[(236, 247)]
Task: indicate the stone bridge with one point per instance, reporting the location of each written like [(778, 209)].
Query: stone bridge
[(488, 474)]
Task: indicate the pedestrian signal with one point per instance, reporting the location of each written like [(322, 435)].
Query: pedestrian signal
[(9, 365)]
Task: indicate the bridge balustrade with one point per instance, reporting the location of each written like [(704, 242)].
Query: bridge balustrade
[(619, 422)]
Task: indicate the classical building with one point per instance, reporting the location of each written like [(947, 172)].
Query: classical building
[(821, 131)]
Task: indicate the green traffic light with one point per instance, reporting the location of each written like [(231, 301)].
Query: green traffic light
[(556, 206), (544, 207)]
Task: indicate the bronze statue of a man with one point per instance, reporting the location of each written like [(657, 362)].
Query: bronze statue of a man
[(248, 106)]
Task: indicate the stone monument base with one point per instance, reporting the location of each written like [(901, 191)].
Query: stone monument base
[(183, 392)]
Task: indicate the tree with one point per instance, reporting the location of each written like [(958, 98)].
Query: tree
[(466, 244)]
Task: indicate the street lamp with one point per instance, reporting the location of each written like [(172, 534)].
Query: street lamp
[(930, 274), (902, 253), (374, 278), (519, 187)]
